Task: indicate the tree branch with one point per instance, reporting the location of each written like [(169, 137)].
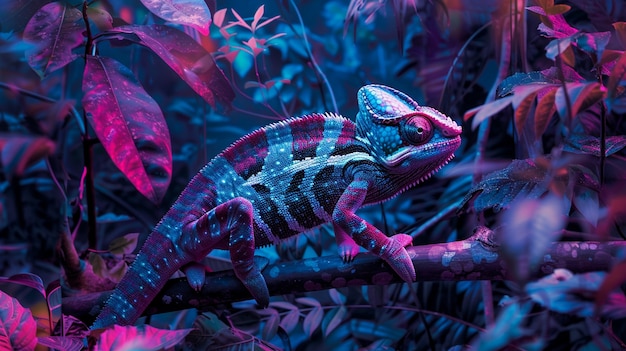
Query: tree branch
[(476, 258)]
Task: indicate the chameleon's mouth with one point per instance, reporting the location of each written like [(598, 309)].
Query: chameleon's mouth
[(426, 151)]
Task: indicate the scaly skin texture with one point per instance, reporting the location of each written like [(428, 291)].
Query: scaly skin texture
[(285, 179)]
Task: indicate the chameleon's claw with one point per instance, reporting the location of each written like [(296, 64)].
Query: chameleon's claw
[(398, 258), (195, 273), (256, 285), (347, 251)]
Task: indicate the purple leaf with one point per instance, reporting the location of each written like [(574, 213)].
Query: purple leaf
[(581, 95), (55, 30), (187, 58), (312, 320), (528, 229), (193, 13), (26, 279), (586, 144), (19, 152), (565, 292), (333, 319), (18, 329), (65, 343), (20, 12), (129, 124)]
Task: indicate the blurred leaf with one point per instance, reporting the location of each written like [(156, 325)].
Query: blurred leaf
[(218, 17), (521, 112), (312, 320), (139, 338), (565, 292), (506, 329), (129, 124), (18, 329), (100, 17), (581, 96), (616, 76), (26, 279), (544, 111), (586, 144), (308, 301), (186, 57), (527, 230), (124, 245), (333, 319), (290, 320), (587, 203), (55, 30), (271, 325), (20, 152), (16, 13), (620, 32), (65, 343), (610, 285), (193, 13), (520, 179), (487, 110)]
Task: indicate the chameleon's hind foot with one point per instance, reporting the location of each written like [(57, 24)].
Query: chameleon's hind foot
[(256, 285), (196, 274), (398, 258)]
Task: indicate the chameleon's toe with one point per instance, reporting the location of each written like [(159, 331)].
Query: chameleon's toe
[(398, 258), (256, 285), (403, 239), (348, 251), (195, 273)]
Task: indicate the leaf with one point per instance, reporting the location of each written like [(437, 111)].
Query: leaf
[(124, 245), (520, 179), (101, 18), (218, 17), (18, 329), (528, 229), (485, 111), (20, 12), (616, 76), (521, 112), (20, 152), (308, 301), (144, 337), (581, 97), (587, 203), (193, 13), (187, 58), (55, 30), (544, 111), (586, 144), (333, 319), (575, 294), (620, 32), (65, 343), (257, 17), (507, 328), (129, 124), (312, 321), (610, 284), (240, 20), (271, 325), (26, 279)]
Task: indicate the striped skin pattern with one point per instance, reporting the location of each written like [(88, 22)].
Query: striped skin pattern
[(285, 179)]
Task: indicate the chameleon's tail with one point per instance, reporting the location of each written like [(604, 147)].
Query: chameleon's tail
[(155, 263)]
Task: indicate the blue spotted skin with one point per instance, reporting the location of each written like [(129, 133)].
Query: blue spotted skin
[(285, 179)]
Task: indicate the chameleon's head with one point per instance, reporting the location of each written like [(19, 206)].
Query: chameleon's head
[(410, 140)]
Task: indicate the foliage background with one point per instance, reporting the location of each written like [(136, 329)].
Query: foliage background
[(565, 60)]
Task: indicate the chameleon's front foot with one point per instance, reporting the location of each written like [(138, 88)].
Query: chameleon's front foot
[(395, 254)]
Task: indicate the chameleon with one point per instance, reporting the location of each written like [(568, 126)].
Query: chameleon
[(285, 179)]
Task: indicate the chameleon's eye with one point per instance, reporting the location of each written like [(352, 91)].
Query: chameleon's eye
[(417, 130)]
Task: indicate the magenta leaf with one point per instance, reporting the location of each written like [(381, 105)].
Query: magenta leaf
[(18, 329), (586, 144), (55, 30), (186, 57), (139, 338), (193, 13), (527, 230), (565, 292), (129, 124), (65, 343), (26, 279), (18, 152)]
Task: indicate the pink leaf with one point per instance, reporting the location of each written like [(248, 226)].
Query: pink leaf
[(129, 124), (55, 30), (20, 152), (187, 58), (139, 338), (257, 17), (240, 21), (218, 17), (18, 329), (488, 110), (193, 13)]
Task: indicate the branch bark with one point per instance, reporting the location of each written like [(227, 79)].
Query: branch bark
[(476, 258)]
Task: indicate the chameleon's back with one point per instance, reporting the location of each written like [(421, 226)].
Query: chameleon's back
[(291, 172)]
